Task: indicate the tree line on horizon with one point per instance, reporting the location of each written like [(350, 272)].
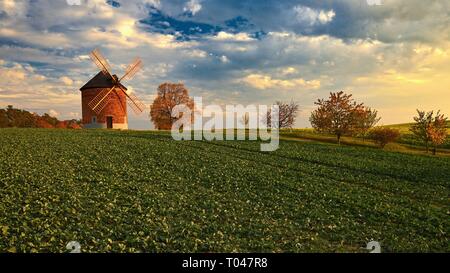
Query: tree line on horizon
[(339, 115), (16, 118)]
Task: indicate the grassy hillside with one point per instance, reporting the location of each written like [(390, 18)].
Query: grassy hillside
[(407, 143), (405, 128), (408, 138), (142, 191)]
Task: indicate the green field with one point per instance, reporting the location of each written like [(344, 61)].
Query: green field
[(143, 192)]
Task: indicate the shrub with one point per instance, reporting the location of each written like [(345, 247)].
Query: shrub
[(383, 136)]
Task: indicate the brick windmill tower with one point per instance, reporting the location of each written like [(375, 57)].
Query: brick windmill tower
[(104, 98)]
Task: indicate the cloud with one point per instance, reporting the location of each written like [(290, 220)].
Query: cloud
[(14, 8), (381, 54), (32, 38), (224, 59), (238, 37), (53, 113), (309, 16), (193, 6), (263, 82), (153, 3), (26, 88), (196, 53), (66, 80), (288, 70), (74, 115)]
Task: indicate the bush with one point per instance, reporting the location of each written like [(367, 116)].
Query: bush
[(383, 136)]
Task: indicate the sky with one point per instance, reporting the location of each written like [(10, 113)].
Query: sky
[(393, 55)]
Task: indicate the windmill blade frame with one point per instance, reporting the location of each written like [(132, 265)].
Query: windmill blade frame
[(101, 62), (135, 103), (98, 103), (132, 69)]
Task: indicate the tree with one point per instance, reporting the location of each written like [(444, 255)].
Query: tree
[(438, 131), (287, 115), (4, 122), (50, 120), (169, 95), (382, 136), (338, 115), (367, 118), (245, 120), (429, 128), (20, 118), (12, 117)]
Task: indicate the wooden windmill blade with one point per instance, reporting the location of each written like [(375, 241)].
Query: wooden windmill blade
[(101, 62), (132, 69), (135, 103), (99, 102)]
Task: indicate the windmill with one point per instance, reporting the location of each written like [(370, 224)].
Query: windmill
[(105, 98)]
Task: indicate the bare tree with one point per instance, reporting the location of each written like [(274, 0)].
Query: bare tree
[(287, 115), (245, 120)]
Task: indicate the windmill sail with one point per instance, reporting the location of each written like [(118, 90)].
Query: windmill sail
[(135, 103), (101, 62), (132, 69), (106, 95), (101, 100)]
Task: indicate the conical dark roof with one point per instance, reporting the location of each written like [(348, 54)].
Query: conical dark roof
[(100, 81)]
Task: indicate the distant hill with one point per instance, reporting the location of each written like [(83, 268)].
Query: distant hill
[(405, 127), (17, 118)]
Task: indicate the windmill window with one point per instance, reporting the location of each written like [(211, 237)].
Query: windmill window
[(94, 119)]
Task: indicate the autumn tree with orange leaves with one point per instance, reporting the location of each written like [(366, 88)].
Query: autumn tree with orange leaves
[(430, 128), (339, 115), (169, 95), (367, 118)]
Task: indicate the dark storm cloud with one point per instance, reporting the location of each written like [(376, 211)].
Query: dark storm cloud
[(354, 19)]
